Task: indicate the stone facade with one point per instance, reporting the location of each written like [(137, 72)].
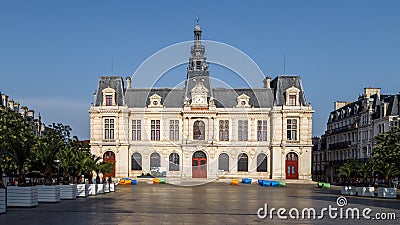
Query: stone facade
[(351, 129), (203, 132)]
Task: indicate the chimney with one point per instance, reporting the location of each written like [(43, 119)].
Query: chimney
[(16, 106), (4, 99), (24, 111), (340, 104), (371, 91), (11, 104), (128, 83), (31, 113), (267, 82)]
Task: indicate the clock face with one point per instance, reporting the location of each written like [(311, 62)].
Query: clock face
[(199, 99)]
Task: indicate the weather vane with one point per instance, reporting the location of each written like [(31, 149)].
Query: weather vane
[(197, 20)]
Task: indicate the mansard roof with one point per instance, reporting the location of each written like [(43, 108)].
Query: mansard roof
[(224, 97), (140, 97), (259, 98), (114, 82), (281, 83)]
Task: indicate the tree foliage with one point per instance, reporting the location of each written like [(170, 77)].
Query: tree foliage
[(16, 142)]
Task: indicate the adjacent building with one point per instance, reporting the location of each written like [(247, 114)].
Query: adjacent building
[(9, 104), (351, 129), (202, 131)]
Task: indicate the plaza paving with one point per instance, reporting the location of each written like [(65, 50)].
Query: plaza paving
[(213, 203)]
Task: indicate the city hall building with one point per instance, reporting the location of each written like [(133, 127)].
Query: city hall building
[(202, 131)]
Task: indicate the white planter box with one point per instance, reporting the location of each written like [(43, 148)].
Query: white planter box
[(82, 190), (349, 190), (22, 196), (112, 187), (100, 189), (92, 189), (2, 200), (68, 191), (387, 192), (366, 191), (106, 188), (48, 193)]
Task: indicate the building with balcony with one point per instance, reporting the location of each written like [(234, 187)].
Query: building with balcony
[(351, 129), (9, 104), (202, 131)]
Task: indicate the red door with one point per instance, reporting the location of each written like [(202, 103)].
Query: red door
[(292, 166), (199, 165), (109, 156)]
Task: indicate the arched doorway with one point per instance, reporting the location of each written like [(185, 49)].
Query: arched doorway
[(109, 156), (292, 165), (199, 165)]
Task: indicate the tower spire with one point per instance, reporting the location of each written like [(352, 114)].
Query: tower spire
[(198, 66)]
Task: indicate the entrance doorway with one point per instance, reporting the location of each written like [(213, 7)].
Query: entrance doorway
[(199, 165), (292, 164), (109, 156)]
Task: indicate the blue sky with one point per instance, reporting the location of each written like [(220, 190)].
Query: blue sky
[(52, 52)]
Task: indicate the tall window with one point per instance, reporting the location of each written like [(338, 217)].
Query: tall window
[(243, 130), (199, 130), (136, 161), (224, 130), (261, 130), (136, 130), (223, 162), (155, 160), (292, 100), (292, 129), (262, 163), (174, 130), (243, 162), (109, 100), (155, 130), (174, 162), (109, 129)]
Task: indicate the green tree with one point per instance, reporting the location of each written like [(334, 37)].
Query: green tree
[(387, 147), (365, 170), (349, 170), (54, 140), (16, 141), (387, 171)]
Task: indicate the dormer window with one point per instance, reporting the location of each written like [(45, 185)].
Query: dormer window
[(109, 97), (155, 101), (292, 96), (243, 101)]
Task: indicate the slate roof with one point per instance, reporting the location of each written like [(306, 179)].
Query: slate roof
[(114, 82), (281, 83), (259, 98), (140, 97), (224, 97)]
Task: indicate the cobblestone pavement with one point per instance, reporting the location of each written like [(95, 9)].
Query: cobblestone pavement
[(214, 203)]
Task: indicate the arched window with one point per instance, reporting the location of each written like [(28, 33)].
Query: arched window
[(136, 161), (155, 160), (199, 130), (223, 162), (262, 162), (174, 162), (243, 162)]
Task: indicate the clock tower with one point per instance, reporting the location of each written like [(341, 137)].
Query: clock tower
[(197, 83)]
